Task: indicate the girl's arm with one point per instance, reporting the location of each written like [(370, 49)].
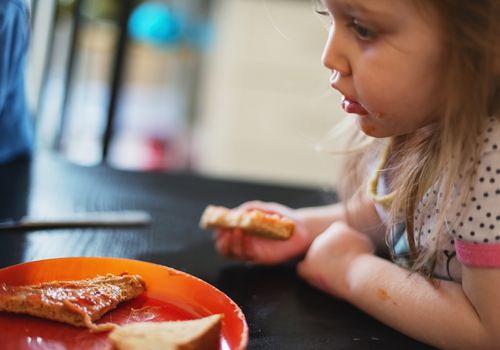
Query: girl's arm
[(309, 223), (446, 315), (362, 216)]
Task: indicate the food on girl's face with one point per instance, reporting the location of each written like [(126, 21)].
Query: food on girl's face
[(253, 221)]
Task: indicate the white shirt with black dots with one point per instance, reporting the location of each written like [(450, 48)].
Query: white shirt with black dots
[(472, 228)]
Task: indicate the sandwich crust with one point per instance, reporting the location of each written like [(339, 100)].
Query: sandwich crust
[(200, 334)]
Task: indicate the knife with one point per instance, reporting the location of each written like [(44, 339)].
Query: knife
[(83, 219)]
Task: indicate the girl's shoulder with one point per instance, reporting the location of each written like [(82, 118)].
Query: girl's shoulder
[(490, 139), (476, 223)]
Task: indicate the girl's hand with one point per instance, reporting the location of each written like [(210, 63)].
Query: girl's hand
[(234, 243), (328, 260)]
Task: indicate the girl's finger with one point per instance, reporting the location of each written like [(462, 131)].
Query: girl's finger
[(302, 269), (248, 248), (236, 242), (223, 242)]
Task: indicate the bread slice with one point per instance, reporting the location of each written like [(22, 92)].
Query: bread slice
[(254, 221), (200, 334), (78, 303)]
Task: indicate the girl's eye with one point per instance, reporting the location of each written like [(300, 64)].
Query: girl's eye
[(320, 8), (325, 13), (322, 12), (363, 32)]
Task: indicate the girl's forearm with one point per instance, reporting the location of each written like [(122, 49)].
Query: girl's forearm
[(439, 315), (361, 216), (318, 219)]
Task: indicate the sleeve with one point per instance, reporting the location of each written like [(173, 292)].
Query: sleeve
[(16, 124), (14, 38), (477, 232)]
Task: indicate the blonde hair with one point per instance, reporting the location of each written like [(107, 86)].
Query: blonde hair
[(470, 31)]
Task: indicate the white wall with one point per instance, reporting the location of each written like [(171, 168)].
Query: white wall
[(266, 101)]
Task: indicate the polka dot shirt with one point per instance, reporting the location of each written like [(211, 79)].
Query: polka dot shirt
[(472, 228)]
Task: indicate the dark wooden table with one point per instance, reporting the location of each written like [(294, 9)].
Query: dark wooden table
[(282, 311)]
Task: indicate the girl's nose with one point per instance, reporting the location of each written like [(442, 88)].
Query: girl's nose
[(335, 53)]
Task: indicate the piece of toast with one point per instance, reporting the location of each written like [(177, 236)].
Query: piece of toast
[(254, 221), (200, 334), (78, 303)]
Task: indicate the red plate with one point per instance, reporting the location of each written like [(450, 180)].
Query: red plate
[(170, 295)]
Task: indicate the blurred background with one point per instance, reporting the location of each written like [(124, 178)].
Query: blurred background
[(224, 88)]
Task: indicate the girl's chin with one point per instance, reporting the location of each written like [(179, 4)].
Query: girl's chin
[(366, 127), (370, 129)]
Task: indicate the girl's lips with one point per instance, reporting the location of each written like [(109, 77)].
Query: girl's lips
[(354, 107)]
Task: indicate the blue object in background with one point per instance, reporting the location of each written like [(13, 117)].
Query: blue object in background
[(157, 24), (16, 124), (200, 34)]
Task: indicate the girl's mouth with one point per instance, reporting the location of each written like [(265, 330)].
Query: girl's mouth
[(354, 107)]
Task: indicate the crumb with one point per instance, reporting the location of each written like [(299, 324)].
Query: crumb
[(384, 296)]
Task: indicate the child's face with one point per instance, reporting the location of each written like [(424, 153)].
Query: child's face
[(386, 60)]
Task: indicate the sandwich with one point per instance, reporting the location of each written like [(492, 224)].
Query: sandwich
[(199, 334), (79, 303), (254, 221)]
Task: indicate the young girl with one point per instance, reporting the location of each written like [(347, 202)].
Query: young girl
[(422, 77)]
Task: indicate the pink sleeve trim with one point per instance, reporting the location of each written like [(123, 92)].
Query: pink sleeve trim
[(478, 255)]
